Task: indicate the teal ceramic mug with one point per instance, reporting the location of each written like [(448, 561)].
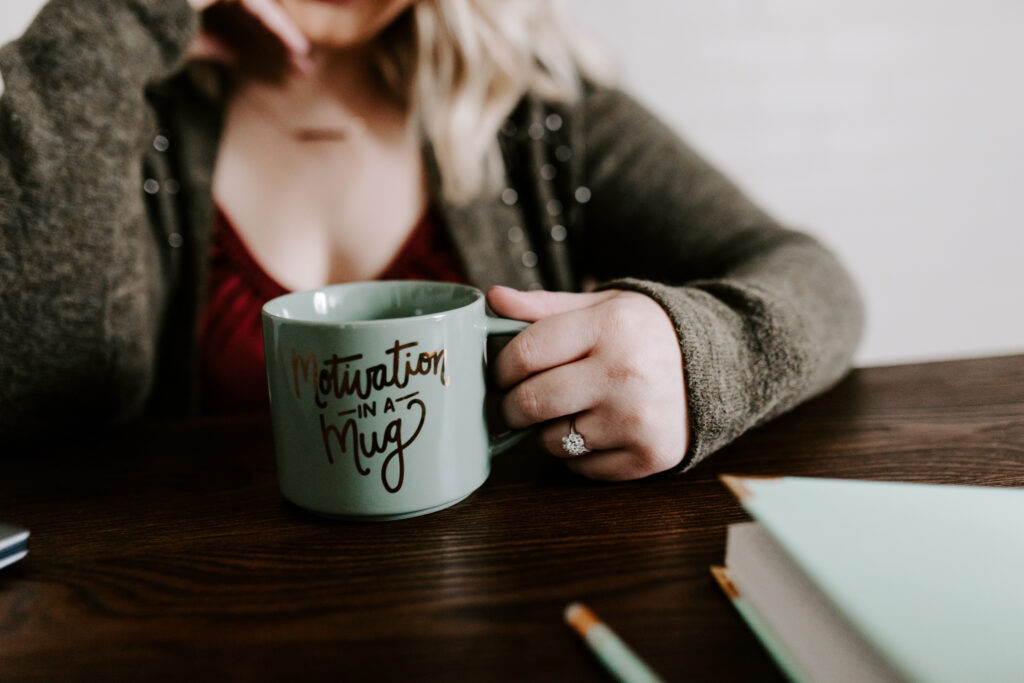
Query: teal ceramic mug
[(377, 396)]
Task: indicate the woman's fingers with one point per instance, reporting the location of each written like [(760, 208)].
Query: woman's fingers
[(595, 432), (546, 344), (613, 465), (532, 306), (563, 330), (567, 326), (616, 454), (262, 25), (563, 390), (277, 21), (207, 47)]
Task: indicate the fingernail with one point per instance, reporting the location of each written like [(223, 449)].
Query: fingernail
[(302, 64), (503, 288), (297, 43)]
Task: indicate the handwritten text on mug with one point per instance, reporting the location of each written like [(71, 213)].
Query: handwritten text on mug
[(341, 377)]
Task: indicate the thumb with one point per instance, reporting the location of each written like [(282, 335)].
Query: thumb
[(209, 48), (532, 306)]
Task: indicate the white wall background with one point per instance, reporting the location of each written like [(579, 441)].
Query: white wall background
[(893, 131)]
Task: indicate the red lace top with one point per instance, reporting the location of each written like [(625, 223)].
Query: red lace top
[(231, 330)]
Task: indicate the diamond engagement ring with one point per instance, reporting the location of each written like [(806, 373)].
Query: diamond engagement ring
[(572, 443)]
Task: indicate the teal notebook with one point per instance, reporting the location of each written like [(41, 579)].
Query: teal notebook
[(873, 581)]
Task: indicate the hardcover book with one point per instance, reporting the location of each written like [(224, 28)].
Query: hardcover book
[(848, 580)]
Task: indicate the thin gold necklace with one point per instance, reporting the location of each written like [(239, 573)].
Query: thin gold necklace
[(354, 126)]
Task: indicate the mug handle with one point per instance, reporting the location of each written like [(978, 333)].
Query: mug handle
[(502, 442)]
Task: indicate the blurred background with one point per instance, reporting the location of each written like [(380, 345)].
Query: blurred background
[(892, 131)]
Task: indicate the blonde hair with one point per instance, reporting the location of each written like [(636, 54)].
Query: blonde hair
[(461, 66)]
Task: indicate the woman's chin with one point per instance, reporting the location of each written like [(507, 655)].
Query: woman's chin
[(343, 24)]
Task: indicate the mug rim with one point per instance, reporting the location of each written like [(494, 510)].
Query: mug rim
[(369, 284)]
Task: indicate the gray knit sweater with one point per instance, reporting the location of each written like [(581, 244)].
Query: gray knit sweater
[(106, 155)]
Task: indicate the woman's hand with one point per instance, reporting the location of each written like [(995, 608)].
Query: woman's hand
[(612, 360), (264, 17)]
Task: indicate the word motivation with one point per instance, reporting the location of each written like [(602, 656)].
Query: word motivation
[(370, 410)]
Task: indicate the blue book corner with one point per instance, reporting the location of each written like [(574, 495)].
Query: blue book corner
[(932, 577)]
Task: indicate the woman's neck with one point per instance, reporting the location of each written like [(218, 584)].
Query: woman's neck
[(335, 97), (335, 71)]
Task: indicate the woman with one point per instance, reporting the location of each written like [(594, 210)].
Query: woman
[(147, 210)]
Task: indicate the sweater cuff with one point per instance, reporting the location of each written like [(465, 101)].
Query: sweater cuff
[(173, 24)]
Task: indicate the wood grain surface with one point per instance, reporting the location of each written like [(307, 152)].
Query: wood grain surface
[(166, 552)]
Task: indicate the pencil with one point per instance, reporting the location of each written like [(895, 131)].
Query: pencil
[(616, 656)]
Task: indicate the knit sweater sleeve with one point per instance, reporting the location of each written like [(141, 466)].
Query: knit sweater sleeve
[(766, 316), (79, 299)]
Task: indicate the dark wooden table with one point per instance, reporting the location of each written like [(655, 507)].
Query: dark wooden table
[(167, 552)]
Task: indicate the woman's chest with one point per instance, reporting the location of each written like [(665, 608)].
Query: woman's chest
[(316, 210)]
